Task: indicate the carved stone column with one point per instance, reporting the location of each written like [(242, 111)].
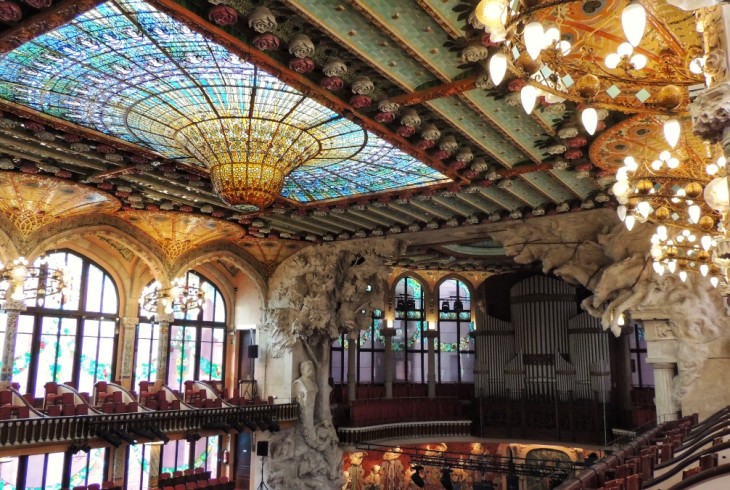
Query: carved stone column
[(352, 365), (430, 335), (666, 408), (661, 348), (163, 348), (388, 334), (13, 310)]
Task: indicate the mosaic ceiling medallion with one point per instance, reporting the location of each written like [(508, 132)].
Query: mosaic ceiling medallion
[(271, 252), (33, 201), (178, 233), (132, 72)]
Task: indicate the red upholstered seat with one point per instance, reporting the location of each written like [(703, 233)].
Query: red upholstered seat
[(94, 486)]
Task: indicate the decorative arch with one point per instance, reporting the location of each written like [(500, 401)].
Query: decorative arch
[(231, 255), (427, 297), (458, 277), (104, 226)]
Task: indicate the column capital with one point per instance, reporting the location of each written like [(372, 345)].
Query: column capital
[(14, 305), (387, 332), (167, 318), (129, 321), (658, 329)]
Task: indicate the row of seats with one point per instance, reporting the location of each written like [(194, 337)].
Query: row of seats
[(387, 411), (340, 392), (633, 466), (189, 480), (107, 485)]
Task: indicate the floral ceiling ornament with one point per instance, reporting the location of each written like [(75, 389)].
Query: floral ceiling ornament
[(301, 46), (262, 20)]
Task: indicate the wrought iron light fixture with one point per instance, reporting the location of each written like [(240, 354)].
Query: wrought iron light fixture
[(20, 280), (181, 297)]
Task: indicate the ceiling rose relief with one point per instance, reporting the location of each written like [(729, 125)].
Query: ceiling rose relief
[(32, 201)]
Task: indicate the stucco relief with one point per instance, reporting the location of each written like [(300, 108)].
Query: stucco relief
[(601, 255), (315, 296)]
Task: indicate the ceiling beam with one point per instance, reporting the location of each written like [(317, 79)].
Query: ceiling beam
[(437, 92)]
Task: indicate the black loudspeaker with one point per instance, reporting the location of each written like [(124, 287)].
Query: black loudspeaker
[(262, 448), (253, 351)]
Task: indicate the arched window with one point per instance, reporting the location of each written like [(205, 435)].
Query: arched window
[(456, 346), (409, 346), (196, 343), (71, 338)]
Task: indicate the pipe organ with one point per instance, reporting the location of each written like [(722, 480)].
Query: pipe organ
[(547, 351)]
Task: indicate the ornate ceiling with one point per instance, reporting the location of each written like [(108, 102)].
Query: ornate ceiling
[(428, 149)]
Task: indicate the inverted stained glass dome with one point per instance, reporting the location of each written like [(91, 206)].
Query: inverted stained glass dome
[(132, 72)]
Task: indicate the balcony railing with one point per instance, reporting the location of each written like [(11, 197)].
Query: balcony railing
[(405, 430), (18, 433)]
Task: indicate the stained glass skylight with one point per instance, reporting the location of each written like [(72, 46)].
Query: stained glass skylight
[(133, 72)]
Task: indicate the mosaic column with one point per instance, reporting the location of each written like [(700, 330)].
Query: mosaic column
[(352, 365), (388, 334), (430, 335), (13, 310), (129, 334), (163, 348), (154, 470)]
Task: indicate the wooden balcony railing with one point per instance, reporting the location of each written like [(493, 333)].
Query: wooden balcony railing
[(19, 433), (405, 430)]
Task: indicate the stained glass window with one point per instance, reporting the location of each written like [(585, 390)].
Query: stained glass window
[(409, 345), (69, 338), (130, 71), (197, 339), (455, 346)]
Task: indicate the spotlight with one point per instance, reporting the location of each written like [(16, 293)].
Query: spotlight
[(262, 425), (159, 434), (446, 479), (445, 307), (236, 425), (458, 305), (73, 449), (250, 424), (125, 436), (112, 439), (416, 476), (272, 424)]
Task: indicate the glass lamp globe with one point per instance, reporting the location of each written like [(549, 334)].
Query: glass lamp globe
[(717, 194)]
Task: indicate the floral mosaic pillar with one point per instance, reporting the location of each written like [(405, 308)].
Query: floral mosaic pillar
[(431, 373), (129, 324), (155, 455), (388, 334), (163, 348), (13, 309), (352, 365)]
